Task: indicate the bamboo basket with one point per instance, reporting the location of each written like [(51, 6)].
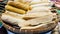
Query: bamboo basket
[(43, 28)]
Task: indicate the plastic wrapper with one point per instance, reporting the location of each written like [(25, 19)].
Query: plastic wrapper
[(13, 9), (19, 5)]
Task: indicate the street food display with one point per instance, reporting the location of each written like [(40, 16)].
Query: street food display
[(29, 16)]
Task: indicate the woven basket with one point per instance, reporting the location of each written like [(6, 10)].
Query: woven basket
[(41, 29)]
